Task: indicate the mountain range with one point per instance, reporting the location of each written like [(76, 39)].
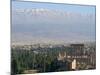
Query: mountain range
[(40, 25)]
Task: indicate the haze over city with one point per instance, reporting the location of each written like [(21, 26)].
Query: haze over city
[(48, 37)]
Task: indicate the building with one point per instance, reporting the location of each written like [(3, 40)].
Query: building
[(77, 49)]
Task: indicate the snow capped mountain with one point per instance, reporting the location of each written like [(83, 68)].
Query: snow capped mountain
[(45, 25)]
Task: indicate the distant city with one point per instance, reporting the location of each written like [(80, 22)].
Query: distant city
[(47, 37), (52, 58)]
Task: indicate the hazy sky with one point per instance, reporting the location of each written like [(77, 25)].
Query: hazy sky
[(52, 22), (64, 7)]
